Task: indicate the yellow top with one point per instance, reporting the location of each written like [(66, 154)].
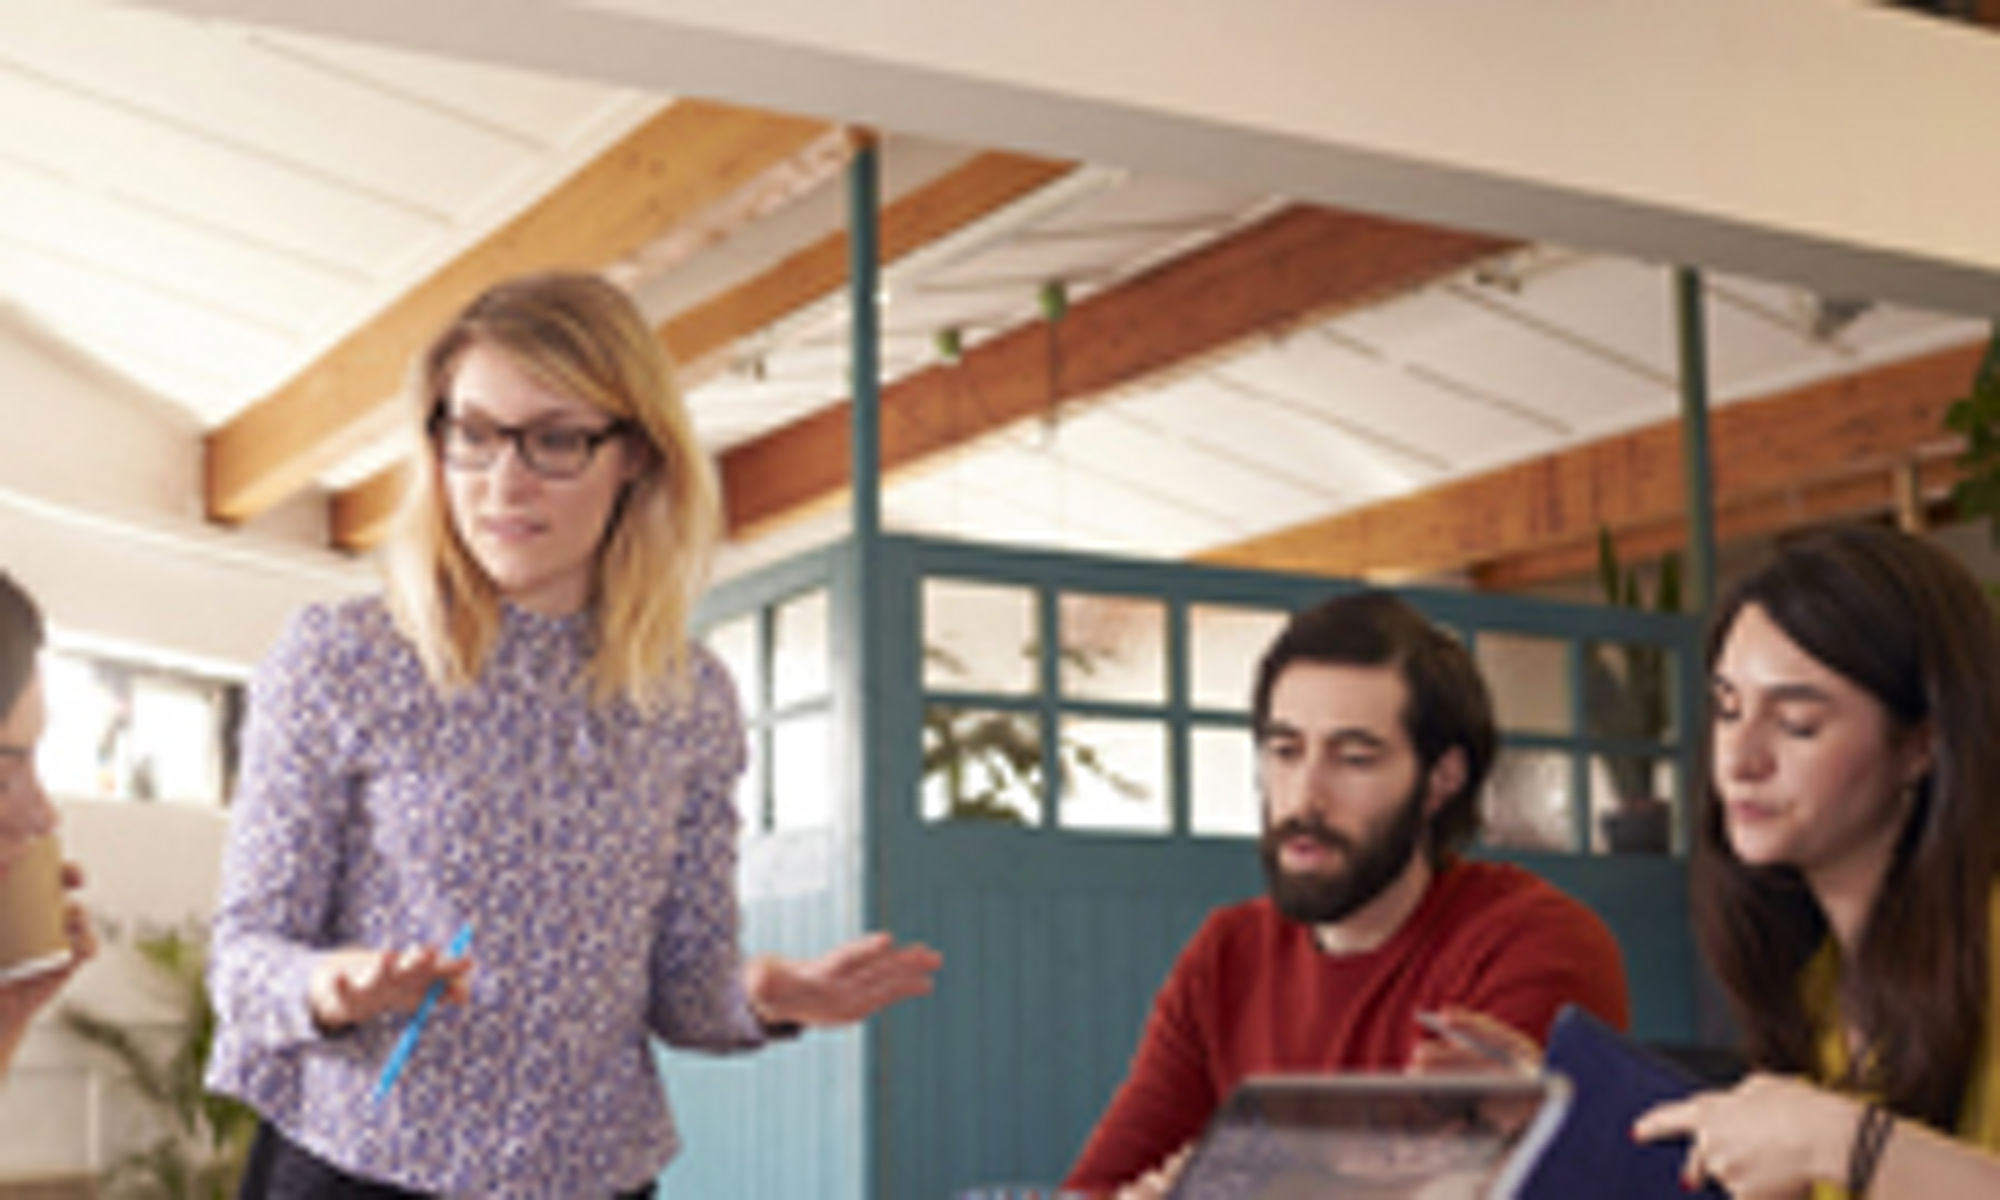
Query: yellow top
[(1979, 1118)]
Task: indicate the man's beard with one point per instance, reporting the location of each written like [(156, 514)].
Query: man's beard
[(1384, 850)]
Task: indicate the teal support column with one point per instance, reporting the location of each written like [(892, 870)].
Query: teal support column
[(863, 274), (1709, 1009), (1694, 440), (863, 723)]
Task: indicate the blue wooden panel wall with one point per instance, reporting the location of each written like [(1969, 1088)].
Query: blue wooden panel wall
[(1055, 947), (789, 1120), (1054, 941), (792, 1119), (1643, 898), (1053, 952)]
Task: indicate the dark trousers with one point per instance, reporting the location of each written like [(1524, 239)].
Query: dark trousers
[(281, 1169)]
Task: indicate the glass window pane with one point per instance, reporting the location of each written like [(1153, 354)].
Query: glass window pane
[(735, 643), (175, 741), (799, 667), (979, 637), (1224, 645), (803, 782), (1529, 679), (1222, 797), (1632, 809), (981, 765), (121, 730), (1527, 801), (1114, 775), (77, 753), (1631, 692), (750, 784), (1114, 648)]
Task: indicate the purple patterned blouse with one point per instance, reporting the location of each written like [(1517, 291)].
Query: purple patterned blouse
[(594, 849)]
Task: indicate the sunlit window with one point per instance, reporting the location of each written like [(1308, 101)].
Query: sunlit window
[(125, 731)]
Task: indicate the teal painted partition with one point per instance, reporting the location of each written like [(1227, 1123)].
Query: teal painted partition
[(1055, 939), (792, 1119)]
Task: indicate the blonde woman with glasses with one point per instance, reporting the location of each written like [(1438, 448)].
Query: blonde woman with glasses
[(520, 741)]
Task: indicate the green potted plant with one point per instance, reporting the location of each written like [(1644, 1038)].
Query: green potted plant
[(1976, 418), (989, 763), (1632, 701), (204, 1137)]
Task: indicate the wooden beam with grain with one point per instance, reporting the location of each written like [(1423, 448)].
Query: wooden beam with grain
[(676, 170), (1296, 267), (1870, 490), (1811, 440), (699, 338), (359, 517)]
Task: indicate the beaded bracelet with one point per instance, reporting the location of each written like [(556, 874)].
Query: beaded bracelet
[(1871, 1134)]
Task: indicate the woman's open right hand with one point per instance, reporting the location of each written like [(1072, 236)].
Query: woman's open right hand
[(353, 985)]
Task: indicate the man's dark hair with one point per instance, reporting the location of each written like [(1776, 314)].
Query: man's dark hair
[(1448, 704), (20, 640)]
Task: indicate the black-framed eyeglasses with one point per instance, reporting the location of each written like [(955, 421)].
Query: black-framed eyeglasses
[(553, 449)]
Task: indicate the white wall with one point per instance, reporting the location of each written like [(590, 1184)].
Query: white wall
[(100, 516)]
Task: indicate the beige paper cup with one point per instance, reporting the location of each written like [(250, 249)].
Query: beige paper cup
[(32, 939)]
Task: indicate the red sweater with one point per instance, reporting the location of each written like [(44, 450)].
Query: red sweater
[(1254, 993)]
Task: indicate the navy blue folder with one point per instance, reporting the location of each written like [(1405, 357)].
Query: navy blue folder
[(1614, 1080)]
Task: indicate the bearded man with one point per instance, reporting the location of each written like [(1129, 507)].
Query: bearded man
[(1374, 736)]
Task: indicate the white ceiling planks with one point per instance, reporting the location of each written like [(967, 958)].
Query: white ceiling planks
[(1487, 369), (204, 208), (1400, 409), (987, 281)]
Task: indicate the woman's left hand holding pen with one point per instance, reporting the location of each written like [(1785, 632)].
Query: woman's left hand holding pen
[(355, 984)]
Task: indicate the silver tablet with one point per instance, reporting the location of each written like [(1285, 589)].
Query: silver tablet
[(1434, 1137)]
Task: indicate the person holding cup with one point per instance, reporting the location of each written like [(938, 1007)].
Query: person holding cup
[(44, 934)]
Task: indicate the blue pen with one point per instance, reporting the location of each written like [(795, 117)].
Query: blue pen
[(461, 944)]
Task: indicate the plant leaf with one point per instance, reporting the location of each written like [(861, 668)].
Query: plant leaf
[(1670, 584), (1607, 565)]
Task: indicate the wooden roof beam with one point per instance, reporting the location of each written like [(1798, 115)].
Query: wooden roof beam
[(1809, 442), (1290, 270), (695, 165), (1921, 482), (700, 338)]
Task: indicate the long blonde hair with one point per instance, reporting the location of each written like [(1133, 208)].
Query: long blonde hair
[(584, 337)]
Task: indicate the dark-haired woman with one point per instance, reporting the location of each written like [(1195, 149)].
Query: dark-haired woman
[(1844, 875)]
